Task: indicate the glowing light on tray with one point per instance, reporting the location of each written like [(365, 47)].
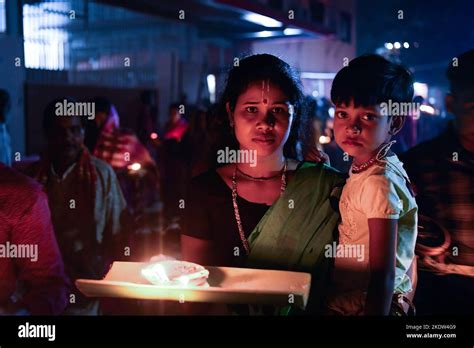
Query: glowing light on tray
[(176, 273)]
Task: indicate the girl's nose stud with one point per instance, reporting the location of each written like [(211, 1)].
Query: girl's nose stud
[(355, 129)]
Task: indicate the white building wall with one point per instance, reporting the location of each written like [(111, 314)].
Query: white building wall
[(12, 72), (317, 55)]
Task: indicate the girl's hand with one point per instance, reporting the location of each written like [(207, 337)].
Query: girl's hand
[(382, 251)]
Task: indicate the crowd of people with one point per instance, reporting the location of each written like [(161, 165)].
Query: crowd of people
[(101, 193)]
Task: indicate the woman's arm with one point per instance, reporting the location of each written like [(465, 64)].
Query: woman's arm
[(197, 250), (200, 251), (383, 242)]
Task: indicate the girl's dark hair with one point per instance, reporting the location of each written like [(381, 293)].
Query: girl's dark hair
[(369, 80), (260, 67)]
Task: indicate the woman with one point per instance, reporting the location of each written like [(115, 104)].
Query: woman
[(272, 212)]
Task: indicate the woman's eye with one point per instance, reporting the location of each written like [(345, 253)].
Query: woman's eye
[(278, 110), (251, 109), (341, 114), (369, 117)]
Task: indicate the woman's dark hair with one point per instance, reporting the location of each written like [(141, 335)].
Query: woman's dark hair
[(370, 80), (263, 67)]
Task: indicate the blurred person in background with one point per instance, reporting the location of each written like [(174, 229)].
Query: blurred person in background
[(105, 139), (176, 125), (37, 284), (146, 117), (310, 147), (88, 211), (197, 143), (174, 163), (442, 170), (136, 171), (5, 146)]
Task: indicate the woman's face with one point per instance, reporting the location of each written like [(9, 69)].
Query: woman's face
[(262, 118)]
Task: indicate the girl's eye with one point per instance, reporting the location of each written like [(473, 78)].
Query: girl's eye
[(251, 109), (369, 117), (341, 114)]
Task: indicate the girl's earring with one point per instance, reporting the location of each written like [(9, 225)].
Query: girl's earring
[(384, 150)]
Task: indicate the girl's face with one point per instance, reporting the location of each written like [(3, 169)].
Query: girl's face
[(360, 131), (262, 118)]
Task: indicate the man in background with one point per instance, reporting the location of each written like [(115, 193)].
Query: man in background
[(442, 170), (88, 210)]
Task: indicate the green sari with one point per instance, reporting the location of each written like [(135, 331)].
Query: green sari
[(292, 235)]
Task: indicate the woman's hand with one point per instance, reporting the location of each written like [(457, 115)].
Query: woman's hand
[(315, 155)]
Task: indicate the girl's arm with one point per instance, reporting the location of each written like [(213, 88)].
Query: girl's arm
[(383, 242)]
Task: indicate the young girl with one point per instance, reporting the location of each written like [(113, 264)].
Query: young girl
[(378, 210)]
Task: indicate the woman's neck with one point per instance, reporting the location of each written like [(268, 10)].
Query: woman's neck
[(264, 166)]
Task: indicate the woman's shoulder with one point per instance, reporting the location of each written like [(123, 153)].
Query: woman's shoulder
[(207, 183), (207, 179)]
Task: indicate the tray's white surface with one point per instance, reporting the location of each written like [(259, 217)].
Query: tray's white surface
[(227, 285)]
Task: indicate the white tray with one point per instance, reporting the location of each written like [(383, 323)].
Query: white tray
[(227, 285)]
